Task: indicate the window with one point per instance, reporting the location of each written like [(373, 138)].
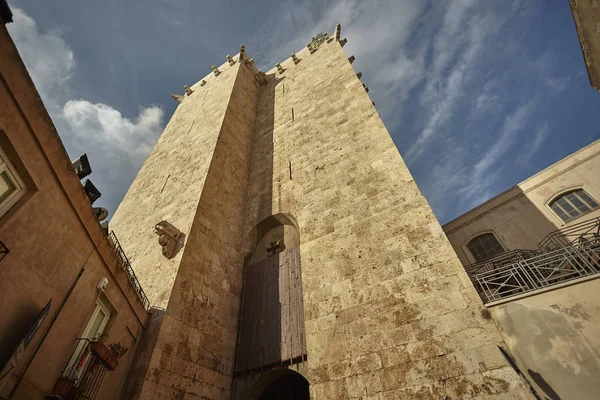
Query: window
[(11, 185), (95, 327), (484, 246), (573, 204)]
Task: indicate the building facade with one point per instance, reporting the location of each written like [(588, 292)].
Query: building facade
[(586, 14), (533, 254), (289, 249), (71, 314)]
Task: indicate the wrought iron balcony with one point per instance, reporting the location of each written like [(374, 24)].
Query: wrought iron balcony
[(85, 371), (499, 261), (547, 269), (126, 265), (586, 232), (564, 255)]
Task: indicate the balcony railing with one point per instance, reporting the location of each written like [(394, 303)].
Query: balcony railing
[(85, 371), (583, 233), (547, 269), (563, 255), (126, 265), (500, 260)]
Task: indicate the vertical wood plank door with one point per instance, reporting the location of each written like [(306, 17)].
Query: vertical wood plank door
[(272, 317)]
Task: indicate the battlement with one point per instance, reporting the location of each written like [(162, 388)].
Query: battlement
[(216, 71), (311, 48)]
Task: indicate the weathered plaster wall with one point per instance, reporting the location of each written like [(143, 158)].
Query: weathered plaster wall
[(52, 233), (389, 310), (555, 339), (586, 14), (521, 217)]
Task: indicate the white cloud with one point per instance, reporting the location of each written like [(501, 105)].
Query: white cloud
[(48, 58), (108, 137), (532, 147), (116, 146), (439, 61)]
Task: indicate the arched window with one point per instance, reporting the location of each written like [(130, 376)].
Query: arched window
[(484, 246), (573, 204)]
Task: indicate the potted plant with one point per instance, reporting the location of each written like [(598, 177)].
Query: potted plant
[(103, 353)]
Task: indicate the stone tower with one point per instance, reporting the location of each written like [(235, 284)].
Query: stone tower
[(296, 249)]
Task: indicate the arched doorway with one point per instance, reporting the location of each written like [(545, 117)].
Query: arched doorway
[(271, 333), (279, 384), (289, 387)]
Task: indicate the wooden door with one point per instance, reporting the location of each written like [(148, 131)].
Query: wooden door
[(272, 318)]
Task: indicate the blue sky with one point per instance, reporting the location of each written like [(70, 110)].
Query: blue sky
[(477, 95)]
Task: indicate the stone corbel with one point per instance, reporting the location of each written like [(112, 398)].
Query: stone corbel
[(188, 91), (310, 48), (295, 59), (202, 82), (366, 88), (343, 42), (177, 97), (230, 60), (168, 237), (249, 62), (359, 75), (215, 70), (338, 31), (280, 68), (242, 52), (351, 59)]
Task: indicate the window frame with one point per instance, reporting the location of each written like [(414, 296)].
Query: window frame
[(470, 254), (78, 356), (6, 166), (562, 194)]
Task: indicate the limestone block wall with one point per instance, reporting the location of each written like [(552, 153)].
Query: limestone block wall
[(191, 352), (169, 184), (586, 14), (389, 310)]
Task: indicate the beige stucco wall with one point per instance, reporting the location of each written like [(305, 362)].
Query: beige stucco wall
[(52, 233), (555, 338), (521, 217)]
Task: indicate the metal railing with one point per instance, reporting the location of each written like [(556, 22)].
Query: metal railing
[(126, 265), (499, 261), (538, 272), (563, 255), (85, 371), (578, 234)]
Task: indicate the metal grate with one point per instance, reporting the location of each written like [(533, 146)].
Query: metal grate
[(126, 265), (547, 269), (500, 260), (85, 371), (585, 232)]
